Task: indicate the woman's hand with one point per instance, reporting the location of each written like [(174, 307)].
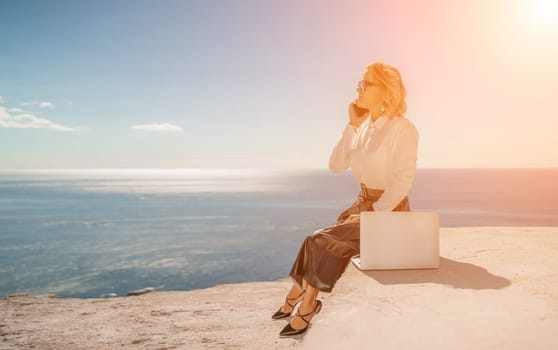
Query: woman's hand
[(356, 114)]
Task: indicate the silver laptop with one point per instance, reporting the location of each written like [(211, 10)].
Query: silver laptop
[(398, 240)]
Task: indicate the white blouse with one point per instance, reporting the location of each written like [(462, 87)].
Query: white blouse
[(382, 155)]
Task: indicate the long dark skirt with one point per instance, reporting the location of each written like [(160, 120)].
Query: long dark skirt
[(325, 253)]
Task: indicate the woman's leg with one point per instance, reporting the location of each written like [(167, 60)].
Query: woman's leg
[(295, 292), (331, 249), (308, 305)]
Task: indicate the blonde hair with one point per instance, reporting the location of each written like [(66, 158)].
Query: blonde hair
[(394, 103)]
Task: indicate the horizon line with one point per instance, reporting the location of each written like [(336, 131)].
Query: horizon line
[(241, 168)]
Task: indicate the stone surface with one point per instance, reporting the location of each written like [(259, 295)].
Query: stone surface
[(496, 288)]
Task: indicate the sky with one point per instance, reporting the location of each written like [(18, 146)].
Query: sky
[(252, 83)]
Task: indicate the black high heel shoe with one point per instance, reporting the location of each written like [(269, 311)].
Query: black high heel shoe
[(289, 331), (280, 314)]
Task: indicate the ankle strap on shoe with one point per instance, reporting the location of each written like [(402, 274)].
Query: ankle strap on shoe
[(287, 299), (311, 312), (303, 291)]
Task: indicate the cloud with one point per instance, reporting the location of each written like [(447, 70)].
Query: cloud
[(16, 110), (29, 121), (42, 104), (46, 104), (156, 127)]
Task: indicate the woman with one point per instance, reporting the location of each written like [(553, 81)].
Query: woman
[(380, 146)]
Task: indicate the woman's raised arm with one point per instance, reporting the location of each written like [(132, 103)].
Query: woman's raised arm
[(340, 157)]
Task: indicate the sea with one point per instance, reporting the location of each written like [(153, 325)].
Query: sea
[(97, 233)]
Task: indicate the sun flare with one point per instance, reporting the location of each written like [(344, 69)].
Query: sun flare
[(543, 12)]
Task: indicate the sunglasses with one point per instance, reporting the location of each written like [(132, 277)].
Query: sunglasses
[(362, 84)]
